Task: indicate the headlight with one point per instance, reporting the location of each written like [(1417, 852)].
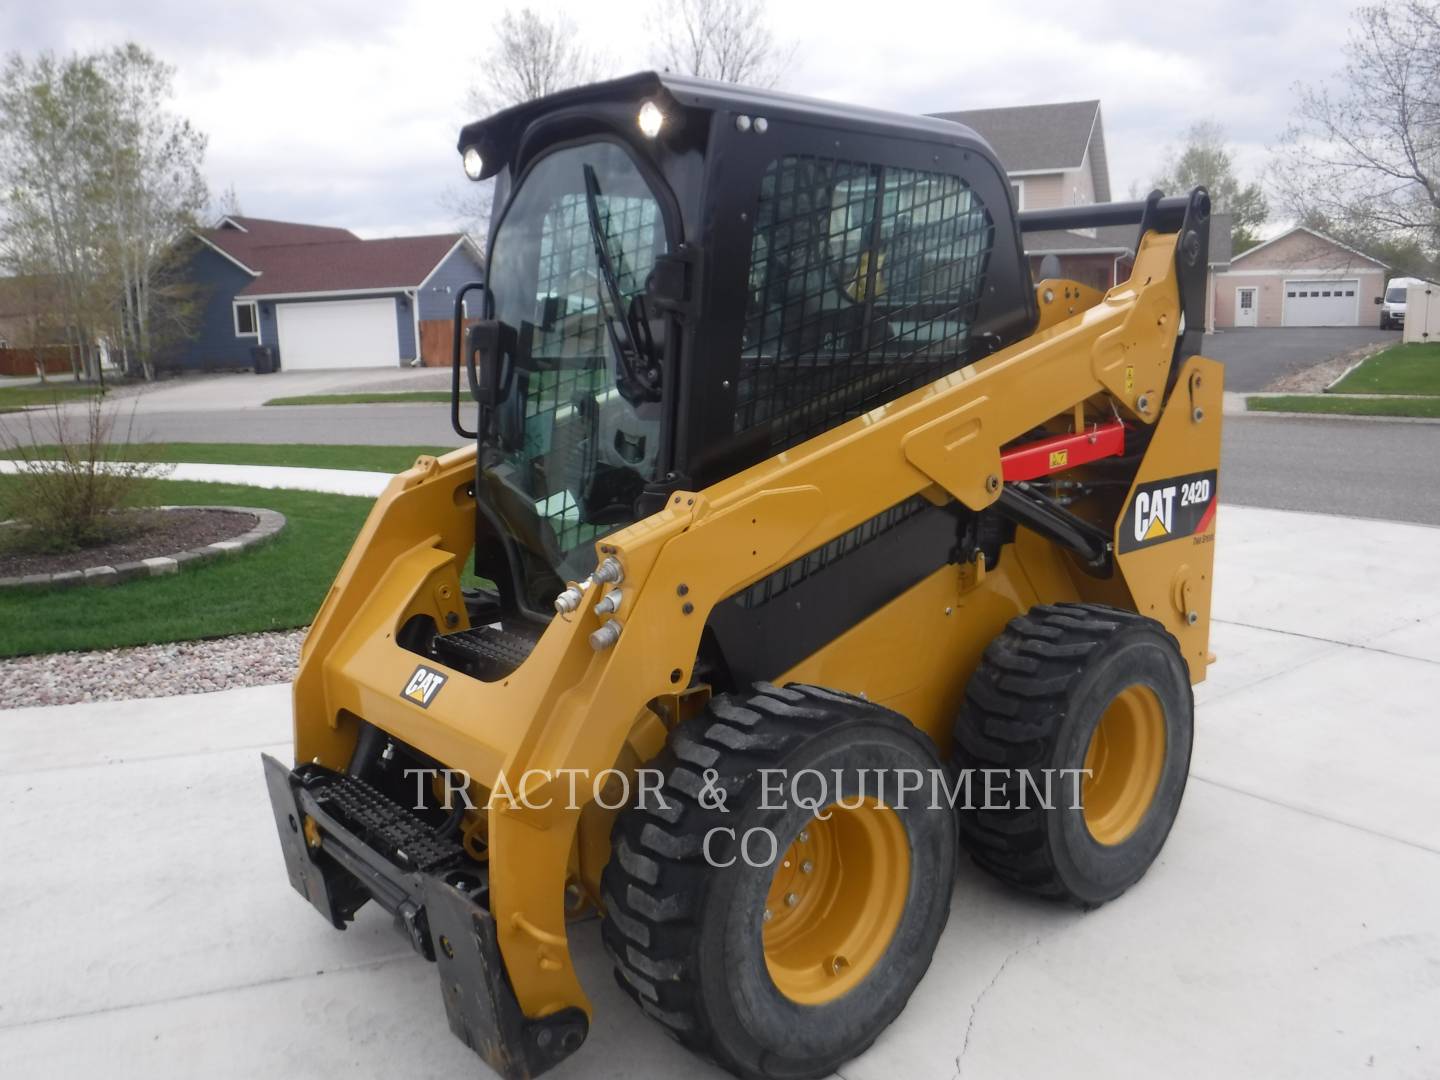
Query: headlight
[(473, 162), (650, 119)]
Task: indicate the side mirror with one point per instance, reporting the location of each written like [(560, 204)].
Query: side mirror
[(1379, 300), (490, 348)]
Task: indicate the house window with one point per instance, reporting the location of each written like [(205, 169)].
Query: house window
[(247, 324)]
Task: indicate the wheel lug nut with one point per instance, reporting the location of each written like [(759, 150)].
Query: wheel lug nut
[(807, 867), (791, 899), (767, 916), (804, 836)]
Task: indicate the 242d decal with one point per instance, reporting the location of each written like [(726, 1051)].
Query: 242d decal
[(1162, 510)]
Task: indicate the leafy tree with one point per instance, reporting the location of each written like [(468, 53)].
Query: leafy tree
[(1205, 161), (729, 40), (98, 179), (52, 115), (153, 193), (1364, 150)]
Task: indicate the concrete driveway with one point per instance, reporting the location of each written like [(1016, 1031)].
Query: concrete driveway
[(1253, 358), (1288, 929)]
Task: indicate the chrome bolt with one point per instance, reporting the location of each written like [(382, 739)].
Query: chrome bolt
[(761, 125), (807, 867), (606, 636), (1192, 617), (768, 915), (609, 603), (804, 836), (1198, 414), (742, 123), (569, 600), (791, 899), (609, 572), (1142, 403)]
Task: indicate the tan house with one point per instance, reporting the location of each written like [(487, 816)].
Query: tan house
[(1055, 156), (1300, 278)]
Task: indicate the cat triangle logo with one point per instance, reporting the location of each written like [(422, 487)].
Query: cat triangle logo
[(1156, 530), (424, 684)]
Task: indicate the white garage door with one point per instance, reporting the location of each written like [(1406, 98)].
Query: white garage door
[(1329, 302), (338, 334)]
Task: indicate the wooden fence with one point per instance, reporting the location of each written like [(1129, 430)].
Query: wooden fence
[(56, 359), (436, 341)]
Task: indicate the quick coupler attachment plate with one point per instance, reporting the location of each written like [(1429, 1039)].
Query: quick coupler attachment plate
[(346, 843)]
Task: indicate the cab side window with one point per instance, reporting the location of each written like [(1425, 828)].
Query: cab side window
[(864, 281)]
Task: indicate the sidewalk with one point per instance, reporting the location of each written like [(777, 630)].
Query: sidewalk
[(1289, 927), (330, 481)]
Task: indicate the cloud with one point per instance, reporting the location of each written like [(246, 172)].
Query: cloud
[(346, 112)]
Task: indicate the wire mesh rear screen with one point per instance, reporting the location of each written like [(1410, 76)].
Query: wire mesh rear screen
[(864, 281)]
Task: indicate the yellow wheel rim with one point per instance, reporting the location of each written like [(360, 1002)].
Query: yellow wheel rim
[(1123, 763), (835, 901)]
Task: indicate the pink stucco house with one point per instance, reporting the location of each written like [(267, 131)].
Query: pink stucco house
[(1299, 278)]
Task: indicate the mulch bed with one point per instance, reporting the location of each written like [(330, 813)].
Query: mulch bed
[(155, 532)]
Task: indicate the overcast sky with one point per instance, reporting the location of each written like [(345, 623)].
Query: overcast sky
[(345, 112)]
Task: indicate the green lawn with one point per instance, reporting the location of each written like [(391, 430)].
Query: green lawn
[(1352, 406), (406, 396), (18, 397), (391, 459), (1400, 369), (274, 587)]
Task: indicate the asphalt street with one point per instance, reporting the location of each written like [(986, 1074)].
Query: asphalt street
[(1358, 468), (1253, 359)]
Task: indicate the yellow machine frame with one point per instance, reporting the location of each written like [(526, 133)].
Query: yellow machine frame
[(570, 707)]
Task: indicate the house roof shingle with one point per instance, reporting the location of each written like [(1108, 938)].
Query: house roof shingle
[(401, 262), (290, 258), (1120, 240), (1030, 138)]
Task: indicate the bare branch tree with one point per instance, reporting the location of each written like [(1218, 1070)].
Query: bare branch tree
[(728, 40), (532, 56), (1364, 154)]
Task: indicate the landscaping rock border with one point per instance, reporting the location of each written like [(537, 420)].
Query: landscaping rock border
[(267, 525)]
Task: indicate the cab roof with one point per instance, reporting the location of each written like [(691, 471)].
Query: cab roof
[(498, 133)]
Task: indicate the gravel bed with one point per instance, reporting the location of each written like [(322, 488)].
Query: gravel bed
[(1314, 379), (182, 667)]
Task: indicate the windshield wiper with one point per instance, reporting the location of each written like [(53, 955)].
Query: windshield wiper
[(639, 378)]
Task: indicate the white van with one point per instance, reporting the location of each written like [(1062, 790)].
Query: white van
[(1392, 310)]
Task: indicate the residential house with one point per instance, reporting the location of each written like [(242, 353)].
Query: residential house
[(1300, 278), (322, 297), (1054, 156)]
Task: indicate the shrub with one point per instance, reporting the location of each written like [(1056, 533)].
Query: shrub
[(76, 492)]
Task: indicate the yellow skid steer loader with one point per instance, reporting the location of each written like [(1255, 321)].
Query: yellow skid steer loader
[(802, 541)]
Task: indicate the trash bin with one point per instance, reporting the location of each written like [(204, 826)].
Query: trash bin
[(264, 358)]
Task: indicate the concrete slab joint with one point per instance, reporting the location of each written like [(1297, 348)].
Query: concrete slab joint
[(268, 524)]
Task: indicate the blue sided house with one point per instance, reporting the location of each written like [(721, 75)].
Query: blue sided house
[(322, 297)]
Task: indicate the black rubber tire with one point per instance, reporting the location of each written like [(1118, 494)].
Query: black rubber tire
[(685, 935), (1033, 704)]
